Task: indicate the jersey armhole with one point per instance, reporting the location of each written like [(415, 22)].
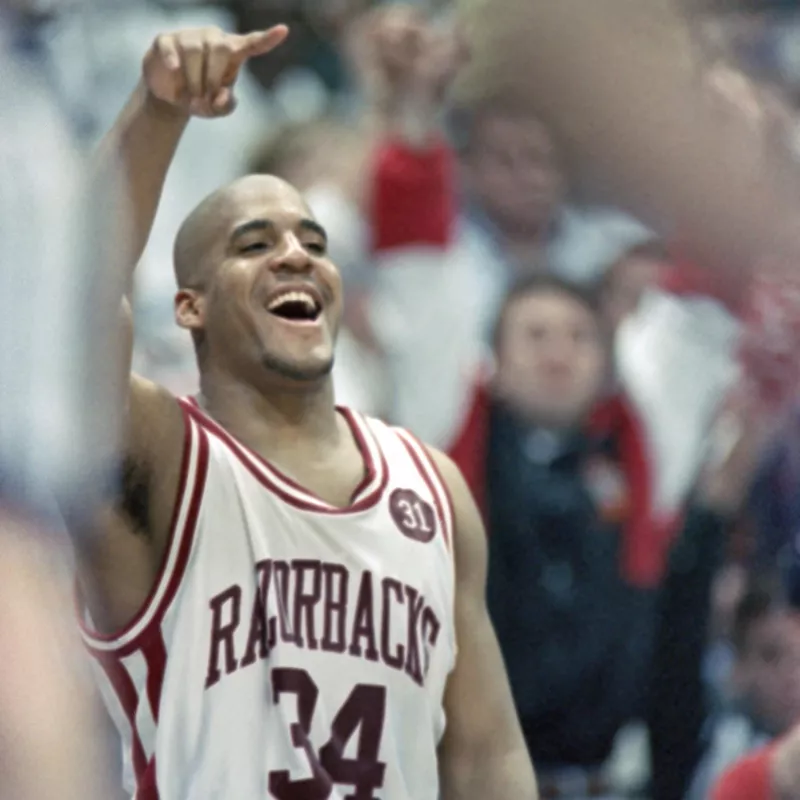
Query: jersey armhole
[(193, 471)]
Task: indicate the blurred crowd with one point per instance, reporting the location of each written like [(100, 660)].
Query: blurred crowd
[(627, 420)]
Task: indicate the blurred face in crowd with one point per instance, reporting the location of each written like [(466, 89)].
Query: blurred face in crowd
[(767, 672), (259, 292), (513, 172), (626, 282), (550, 358)]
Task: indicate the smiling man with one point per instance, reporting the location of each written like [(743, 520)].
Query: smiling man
[(274, 602)]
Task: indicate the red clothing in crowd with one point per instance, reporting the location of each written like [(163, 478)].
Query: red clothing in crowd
[(646, 539), (748, 779)]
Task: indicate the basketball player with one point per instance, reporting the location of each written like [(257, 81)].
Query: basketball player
[(287, 600)]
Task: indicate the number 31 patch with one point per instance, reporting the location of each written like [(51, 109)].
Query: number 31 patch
[(413, 516)]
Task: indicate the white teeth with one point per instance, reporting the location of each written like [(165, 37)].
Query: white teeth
[(294, 297)]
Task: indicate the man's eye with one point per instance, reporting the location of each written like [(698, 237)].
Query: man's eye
[(254, 247), (317, 248)]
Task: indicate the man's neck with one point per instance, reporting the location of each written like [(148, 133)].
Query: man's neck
[(274, 417)]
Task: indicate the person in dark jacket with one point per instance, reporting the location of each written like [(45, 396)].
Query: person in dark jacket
[(588, 639), (575, 635)]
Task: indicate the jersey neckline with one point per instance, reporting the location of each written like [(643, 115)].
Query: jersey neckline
[(365, 495)]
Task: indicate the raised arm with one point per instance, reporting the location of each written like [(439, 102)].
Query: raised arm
[(483, 755), (185, 74)]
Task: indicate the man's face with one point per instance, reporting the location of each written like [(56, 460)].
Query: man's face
[(551, 359), (767, 674), (272, 299), (512, 170)]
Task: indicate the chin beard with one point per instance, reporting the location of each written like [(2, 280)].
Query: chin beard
[(296, 372)]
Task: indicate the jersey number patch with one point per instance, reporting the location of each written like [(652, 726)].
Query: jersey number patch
[(364, 708)]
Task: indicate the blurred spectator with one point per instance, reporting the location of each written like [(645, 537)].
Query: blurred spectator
[(765, 691), (514, 182), (600, 622), (576, 638), (432, 302), (446, 272), (574, 598), (517, 204)]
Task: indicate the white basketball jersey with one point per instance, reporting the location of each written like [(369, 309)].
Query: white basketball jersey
[(290, 649)]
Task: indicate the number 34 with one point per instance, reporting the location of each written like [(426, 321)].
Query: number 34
[(365, 707)]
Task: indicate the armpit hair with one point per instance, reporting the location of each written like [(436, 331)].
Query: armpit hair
[(134, 501)]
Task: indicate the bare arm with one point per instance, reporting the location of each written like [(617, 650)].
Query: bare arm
[(483, 755), (135, 155), (616, 80), (188, 73)]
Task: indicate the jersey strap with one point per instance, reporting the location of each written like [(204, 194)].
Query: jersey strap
[(430, 474)]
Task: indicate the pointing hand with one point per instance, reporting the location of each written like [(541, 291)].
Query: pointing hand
[(195, 70)]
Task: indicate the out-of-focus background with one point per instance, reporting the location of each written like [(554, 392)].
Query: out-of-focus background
[(630, 427)]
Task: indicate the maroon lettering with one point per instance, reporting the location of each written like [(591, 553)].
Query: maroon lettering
[(318, 787), (305, 601), (361, 716), (222, 632), (394, 660), (357, 729), (364, 621), (257, 639), (318, 601), (281, 571), (415, 605), (335, 605), (430, 634)]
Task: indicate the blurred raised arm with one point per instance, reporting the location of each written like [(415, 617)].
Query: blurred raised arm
[(617, 82)]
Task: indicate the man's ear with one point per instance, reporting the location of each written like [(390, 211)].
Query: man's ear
[(190, 309)]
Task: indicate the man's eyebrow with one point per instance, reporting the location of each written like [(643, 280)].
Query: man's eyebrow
[(252, 225), (314, 227), (269, 225)]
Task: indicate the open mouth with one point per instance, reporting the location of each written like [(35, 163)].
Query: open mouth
[(296, 306)]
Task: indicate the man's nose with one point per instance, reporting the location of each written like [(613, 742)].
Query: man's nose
[(291, 255)]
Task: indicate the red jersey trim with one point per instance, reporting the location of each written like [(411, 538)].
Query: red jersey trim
[(145, 625), (370, 451), (365, 496), (125, 690), (144, 769), (433, 480)]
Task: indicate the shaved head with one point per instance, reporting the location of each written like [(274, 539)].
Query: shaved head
[(210, 218), (235, 255)]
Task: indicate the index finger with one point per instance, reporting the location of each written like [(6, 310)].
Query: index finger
[(257, 43)]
